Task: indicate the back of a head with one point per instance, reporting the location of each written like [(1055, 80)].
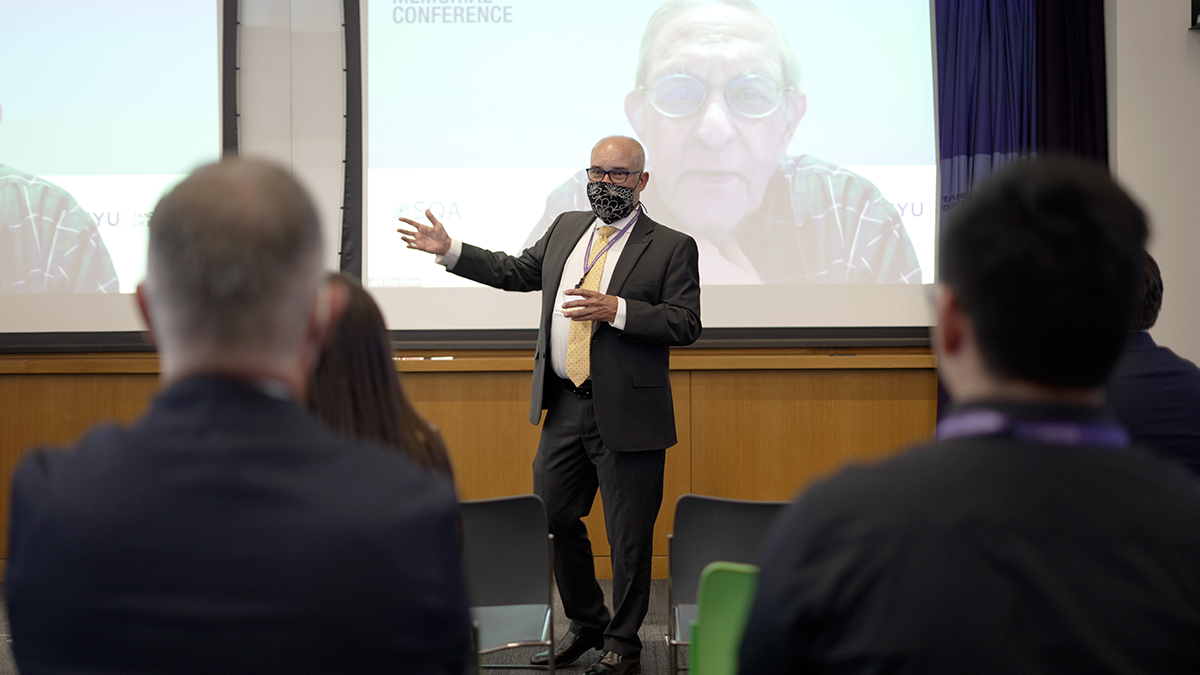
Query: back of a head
[(1045, 258), (356, 390), (1150, 295), (234, 257)]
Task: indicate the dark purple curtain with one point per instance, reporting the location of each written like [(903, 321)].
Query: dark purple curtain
[(986, 89), (1017, 77), (1072, 115)]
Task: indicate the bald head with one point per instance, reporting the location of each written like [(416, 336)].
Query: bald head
[(630, 148), (234, 258)]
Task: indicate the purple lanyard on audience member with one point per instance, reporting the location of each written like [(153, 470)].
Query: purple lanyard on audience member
[(587, 266), (988, 422)]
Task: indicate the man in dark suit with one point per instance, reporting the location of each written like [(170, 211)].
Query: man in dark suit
[(1030, 536), (618, 291), (1154, 392), (227, 531)]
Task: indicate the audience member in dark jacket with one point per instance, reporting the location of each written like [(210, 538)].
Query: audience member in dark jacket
[(1030, 536), (1154, 392), (228, 531)]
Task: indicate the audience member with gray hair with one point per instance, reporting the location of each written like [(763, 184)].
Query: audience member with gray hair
[(228, 530)]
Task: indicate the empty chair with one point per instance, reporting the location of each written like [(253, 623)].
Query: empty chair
[(508, 562), (723, 605), (708, 529)]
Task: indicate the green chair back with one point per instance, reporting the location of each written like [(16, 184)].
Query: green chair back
[(725, 596)]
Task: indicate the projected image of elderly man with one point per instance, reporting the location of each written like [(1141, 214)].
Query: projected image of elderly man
[(719, 94), (228, 531), (48, 242)]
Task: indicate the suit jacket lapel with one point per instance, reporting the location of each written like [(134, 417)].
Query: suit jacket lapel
[(556, 259), (557, 250), (639, 239)]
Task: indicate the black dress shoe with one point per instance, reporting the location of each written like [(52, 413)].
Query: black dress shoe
[(612, 663), (571, 647)]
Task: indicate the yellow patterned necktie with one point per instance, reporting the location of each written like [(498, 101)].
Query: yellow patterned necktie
[(579, 339)]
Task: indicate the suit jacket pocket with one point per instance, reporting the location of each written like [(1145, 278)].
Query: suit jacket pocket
[(646, 291), (650, 378)]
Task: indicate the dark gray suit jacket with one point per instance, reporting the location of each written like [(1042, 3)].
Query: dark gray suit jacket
[(1156, 395), (658, 275), (229, 532)]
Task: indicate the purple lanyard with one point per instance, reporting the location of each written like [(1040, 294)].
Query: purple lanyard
[(987, 422), (587, 266)]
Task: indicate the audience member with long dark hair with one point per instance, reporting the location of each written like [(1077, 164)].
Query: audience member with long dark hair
[(356, 389)]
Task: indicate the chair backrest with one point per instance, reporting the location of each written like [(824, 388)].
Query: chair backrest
[(506, 551), (725, 597), (708, 529)]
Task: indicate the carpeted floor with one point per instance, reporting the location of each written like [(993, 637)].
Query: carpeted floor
[(7, 667), (654, 650)]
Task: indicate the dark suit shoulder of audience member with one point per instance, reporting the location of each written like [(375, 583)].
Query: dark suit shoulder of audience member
[(977, 556), (228, 530), (357, 391), (1031, 535), (1156, 395), (1154, 392)]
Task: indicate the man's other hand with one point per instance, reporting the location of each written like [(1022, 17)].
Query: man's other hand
[(428, 238), (590, 306)]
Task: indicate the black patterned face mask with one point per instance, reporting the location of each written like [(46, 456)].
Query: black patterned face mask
[(610, 202)]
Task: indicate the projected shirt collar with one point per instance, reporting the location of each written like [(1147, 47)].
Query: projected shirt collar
[(817, 223)]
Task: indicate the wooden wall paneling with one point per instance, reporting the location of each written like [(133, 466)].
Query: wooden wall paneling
[(484, 418), (755, 424), (766, 434), (56, 409)]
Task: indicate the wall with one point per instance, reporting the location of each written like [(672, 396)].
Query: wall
[(752, 424), (292, 97), (1154, 140)]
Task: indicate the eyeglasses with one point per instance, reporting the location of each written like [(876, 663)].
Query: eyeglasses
[(752, 96), (618, 176)]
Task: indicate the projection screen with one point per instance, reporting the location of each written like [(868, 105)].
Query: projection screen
[(794, 139), (104, 104)]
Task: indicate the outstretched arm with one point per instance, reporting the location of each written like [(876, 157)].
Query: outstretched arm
[(429, 238)]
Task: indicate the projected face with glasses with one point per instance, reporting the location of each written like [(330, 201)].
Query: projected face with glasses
[(717, 99), (715, 116), (752, 96)]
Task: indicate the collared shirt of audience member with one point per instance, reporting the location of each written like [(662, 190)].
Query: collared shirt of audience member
[(719, 94), (1153, 391), (228, 530), (1030, 536), (357, 391)]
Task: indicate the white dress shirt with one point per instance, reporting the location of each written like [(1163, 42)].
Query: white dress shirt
[(572, 275)]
